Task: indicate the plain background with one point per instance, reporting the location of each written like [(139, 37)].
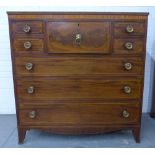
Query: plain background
[(7, 102)]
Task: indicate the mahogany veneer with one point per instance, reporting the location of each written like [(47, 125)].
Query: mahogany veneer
[(78, 73)]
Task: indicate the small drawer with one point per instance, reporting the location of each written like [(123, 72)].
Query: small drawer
[(128, 29), (78, 66), (28, 27), (31, 89), (28, 45), (82, 114), (128, 46)]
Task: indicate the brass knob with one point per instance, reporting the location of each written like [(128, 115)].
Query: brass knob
[(78, 38), (129, 29), (32, 114), (126, 114), (29, 66), (27, 45), (127, 89), (128, 45), (26, 28), (30, 90), (128, 66)]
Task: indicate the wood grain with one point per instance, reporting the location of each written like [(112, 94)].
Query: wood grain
[(95, 37), (78, 88), (81, 114), (78, 66), (36, 27)]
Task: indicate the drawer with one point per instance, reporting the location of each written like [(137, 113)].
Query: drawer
[(126, 29), (81, 114), (78, 66), (27, 27), (78, 37), (65, 89), (28, 45), (128, 46)]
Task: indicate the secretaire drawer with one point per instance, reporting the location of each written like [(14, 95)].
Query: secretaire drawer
[(128, 46), (27, 27), (127, 29), (78, 66), (78, 37), (62, 89), (82, 114), (28, 45)]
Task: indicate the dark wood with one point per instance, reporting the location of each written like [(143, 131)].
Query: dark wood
[(119, 46), (58, 89), (21, 134), (37, 45), (95, 37), (36, 27), (78, 66), (82, 114), (78, 87), (136, 134), (120, 29)]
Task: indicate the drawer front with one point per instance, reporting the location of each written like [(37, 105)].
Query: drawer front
[(78, 37), (127, 29), (81, 114), (28, 45), (128, 46), (27, 27), (77, 66), (66, 89)]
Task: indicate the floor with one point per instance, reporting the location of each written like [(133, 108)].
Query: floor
[(37, 138)]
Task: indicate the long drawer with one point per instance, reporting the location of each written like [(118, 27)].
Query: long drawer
[(81, 114), (63, 89), (77, 66)]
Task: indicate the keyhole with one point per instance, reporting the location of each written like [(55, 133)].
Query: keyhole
[(78, 24)]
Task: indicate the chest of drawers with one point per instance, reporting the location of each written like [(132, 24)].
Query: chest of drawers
[(78, 73)]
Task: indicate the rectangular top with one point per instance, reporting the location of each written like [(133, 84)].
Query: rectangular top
[(78, 15)]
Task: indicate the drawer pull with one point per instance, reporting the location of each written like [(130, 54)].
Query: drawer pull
[(129, 29), (26, 28), (128, 45), (29, 66), (127, 89), (78, 38), (128, 66), (27, 45), (30, 90), (126, 114), (32, 114)]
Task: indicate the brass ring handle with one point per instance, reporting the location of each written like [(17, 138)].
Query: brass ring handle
[(128, 66), (125, 114), (32, 114), (128, 45), (127, 89), (30, 90), (78, 38), (129, 29), (29, 66), (26, 28), (27, 45)]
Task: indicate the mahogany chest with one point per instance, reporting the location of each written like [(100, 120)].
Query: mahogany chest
[(78, 73)]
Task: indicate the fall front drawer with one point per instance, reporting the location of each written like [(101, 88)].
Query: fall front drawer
[(78, 66), (81, 114), (58, 89), (78, 37)]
